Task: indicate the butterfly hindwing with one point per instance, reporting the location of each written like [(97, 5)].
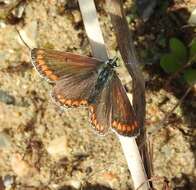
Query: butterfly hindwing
[(52, 64), (101, 110), (73, 90), (123, 116)]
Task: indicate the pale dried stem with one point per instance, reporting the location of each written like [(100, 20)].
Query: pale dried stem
[(99, 51)]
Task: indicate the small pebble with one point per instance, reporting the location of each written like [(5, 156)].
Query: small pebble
[(2, 24), (74, 183), (21, 168), (5, 141), (18, 11), (6, 98), (77, 16), (58, 147), (8, 181)]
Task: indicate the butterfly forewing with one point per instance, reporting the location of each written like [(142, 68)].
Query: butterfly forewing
[(123, 116), (53, 65)]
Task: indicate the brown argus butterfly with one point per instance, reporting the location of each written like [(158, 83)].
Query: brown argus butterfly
[(85, 81)]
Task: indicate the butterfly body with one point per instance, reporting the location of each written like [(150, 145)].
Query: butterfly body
[(105, 73), (84, 81)]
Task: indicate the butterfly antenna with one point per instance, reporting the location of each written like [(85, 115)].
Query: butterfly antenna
[(116, 58), (23, 39), (114, 61)]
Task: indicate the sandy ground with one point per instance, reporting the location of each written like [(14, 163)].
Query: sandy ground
[(45, 147)]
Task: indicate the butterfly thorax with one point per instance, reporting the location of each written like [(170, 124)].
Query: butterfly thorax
[(105, 73)]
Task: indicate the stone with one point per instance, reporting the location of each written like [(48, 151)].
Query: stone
[(57, 148), (21, 168), (8, 181), (5, 141)]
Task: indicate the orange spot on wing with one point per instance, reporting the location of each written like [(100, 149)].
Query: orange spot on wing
[(53, 77), (39, 57), (48, 72), (83, 102), (98, 126), (62, 100), (119, 126), (68, 102), (44, 67), (129, 128), (75, 103), (40, 62), (101, 128), (114, 123), (124, 128)]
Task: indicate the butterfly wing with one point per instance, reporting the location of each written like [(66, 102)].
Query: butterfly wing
[(75, 78), (74, 89), (74, 75), (112, 108), (52, 65), (101, 109), (123, 116)]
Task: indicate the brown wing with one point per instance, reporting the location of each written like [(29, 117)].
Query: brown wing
[(74, 75), (74, 89), (52, 65), (101, 110), (123, 116)]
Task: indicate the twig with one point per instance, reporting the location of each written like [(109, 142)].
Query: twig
[(129, 145), (21, 38), (155, 178)]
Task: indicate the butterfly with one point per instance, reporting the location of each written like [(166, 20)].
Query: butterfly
[(90, 82)]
